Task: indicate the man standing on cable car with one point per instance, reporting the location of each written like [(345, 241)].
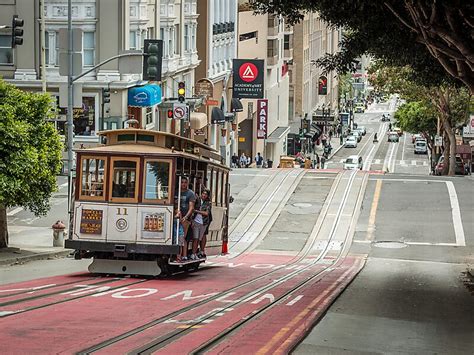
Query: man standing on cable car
[(188, 198)]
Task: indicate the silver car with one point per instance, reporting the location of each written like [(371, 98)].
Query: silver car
[(351, 142)]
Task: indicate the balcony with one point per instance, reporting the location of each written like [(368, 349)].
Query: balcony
[(273, 26), (272, 59)]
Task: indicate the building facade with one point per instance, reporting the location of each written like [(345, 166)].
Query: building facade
[(107, 28), (266, 37), (216, 41), (313, 38)]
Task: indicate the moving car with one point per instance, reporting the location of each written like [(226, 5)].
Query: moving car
[(386, 117), (415, 137), (353, 162), (393, 137), (421, 147), (351, 142), (458, 170)]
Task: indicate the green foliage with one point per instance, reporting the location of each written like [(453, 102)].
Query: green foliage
[(417, 117), (30, 148), (380, 29)]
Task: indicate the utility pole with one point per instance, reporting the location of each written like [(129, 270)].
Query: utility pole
[(69, 124), (43, 46)]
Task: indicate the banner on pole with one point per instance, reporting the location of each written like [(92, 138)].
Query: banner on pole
[(262, 118)]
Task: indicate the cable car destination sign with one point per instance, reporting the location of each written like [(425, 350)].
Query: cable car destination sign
[(248, 76)]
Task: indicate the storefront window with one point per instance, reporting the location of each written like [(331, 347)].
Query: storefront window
[(93, 177), (125, 179), (149, 115), (157, 180), (84, 118)]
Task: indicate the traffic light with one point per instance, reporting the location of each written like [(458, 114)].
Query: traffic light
[(153, 54), (169, 113), (181, 91), (17, 32), (106, 95)]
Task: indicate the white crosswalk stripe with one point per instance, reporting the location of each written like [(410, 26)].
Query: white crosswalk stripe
[(413, 162)]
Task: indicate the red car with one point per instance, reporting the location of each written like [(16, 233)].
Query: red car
[(458, 170)]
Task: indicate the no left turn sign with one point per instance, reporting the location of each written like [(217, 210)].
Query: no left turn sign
[(180, 112)]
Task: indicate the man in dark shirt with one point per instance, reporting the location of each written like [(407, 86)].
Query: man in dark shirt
[(186, 208)]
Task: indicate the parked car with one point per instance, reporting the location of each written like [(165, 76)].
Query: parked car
[(351, 142), (393, 137), (458, 170), (363, 130), (357, 134), (353, 162), (421, 147)]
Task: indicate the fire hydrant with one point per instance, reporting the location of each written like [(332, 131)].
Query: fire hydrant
[(58, 233)]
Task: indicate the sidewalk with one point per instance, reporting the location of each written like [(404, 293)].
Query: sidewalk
[(30, 243)]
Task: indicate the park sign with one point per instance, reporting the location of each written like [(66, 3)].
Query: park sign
[(262, 119), (248, 76)]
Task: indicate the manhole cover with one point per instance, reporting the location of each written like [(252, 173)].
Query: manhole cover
[(302, 205), (390, 245)]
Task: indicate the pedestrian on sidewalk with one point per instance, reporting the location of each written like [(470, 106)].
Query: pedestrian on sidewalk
[(323, 162), (258, 160)]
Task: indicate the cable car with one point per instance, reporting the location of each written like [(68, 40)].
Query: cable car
[(126, 195)]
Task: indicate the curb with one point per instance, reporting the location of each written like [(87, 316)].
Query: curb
[(34, 257), (335, 151)]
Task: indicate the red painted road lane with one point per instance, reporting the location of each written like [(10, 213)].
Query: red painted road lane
[(94, 319), (46, 289), (63, 293), (40, 283), (222, 320), (211, 307), (278, 331), (230, 317)]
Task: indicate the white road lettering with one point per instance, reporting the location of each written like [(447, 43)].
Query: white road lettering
[(267, 296), (262, 266), (187, 295), (145, 292), (294, 300), (86, 289)]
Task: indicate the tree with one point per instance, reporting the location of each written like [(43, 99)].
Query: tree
[(418, 117), (434, 37), (30, 148), (449, 102)]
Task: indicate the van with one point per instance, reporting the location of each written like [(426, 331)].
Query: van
[(421, 147), (353, 162)]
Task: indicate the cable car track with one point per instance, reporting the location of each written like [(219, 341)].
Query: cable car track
[(37, 297), (166, 339)]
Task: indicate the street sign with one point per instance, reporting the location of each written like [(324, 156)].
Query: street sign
[(438, 141), (63, 42), (262, 115), (212, 102), (248, 76), (64, 64), (204, 88), (180, 111), (468, 131)]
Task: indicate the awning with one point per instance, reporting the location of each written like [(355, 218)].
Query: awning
[(278, 134), (314, 131), (217, 115), (198, 120), (236, 105), (144, 96)]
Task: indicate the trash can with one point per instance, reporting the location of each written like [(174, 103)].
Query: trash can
[(269, 163), (58, 234)]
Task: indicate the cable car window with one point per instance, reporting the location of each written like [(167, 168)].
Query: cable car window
[(208, 183), (93, 178), (124, 183), (157, 180)]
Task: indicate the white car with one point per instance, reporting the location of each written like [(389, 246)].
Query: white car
[(362, 129), (353, 162), (351, 142), (357, 134), (421, 147)]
